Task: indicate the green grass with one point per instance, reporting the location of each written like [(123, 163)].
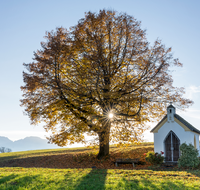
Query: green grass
[(78, 179), (19, 178)]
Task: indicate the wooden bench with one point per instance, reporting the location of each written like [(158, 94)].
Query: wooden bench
[(126, 161)]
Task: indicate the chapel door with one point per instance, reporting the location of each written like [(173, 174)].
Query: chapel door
[(172, 144)]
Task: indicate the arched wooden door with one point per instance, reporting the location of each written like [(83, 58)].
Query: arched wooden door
[(172, 144)]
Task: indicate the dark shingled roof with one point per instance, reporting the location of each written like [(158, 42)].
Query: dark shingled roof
[(186, 123), (181, 120), (171, 106)]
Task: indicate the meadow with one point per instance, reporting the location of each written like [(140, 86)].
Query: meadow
[(78, 168)]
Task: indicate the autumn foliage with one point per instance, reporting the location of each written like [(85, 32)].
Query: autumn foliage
[(78, 158), (102, 65)]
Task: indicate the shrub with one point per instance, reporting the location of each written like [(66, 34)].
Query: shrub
[(189, 156), (154, 158)]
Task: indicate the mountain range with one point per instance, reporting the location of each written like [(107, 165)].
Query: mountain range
[(28, 143)]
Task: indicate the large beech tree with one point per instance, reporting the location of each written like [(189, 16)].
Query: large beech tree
[(99, 78)]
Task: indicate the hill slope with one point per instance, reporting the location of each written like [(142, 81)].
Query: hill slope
[(74, 157)]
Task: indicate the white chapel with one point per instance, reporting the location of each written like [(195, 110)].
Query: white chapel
[(171, 132)]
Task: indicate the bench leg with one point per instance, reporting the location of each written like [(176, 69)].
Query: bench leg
[(133, 164), (116, 164)]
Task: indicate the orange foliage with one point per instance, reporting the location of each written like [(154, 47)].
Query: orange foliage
[(85, 158)]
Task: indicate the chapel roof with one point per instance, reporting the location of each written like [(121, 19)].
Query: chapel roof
[(179, 118), (171, 106), (152, 130), (186, 123)]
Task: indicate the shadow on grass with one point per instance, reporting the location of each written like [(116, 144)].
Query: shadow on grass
[(93, 180), (49, 152), (7, 178), (49, 161), (15, 181), (195, 171), (33, 153), (148, 184)]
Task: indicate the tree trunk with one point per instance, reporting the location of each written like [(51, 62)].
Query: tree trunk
[(104, 143)]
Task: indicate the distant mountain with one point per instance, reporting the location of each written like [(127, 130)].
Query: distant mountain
[(5, 142), (28, 143)]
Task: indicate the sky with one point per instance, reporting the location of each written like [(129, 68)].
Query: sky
[(24, 23)]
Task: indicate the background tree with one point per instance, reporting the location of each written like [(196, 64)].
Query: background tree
[(99, 78), (4, 150)]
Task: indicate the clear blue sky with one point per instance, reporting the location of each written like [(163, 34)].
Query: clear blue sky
[(23, 24)]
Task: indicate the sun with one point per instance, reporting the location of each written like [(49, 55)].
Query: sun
[(110, 115)]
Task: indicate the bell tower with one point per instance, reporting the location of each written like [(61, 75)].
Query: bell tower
[(171, 110)]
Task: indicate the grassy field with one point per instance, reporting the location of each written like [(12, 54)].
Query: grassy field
[(78, 179), (40, 170)]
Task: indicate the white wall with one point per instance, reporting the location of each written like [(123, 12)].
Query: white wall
[(184, 136)]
